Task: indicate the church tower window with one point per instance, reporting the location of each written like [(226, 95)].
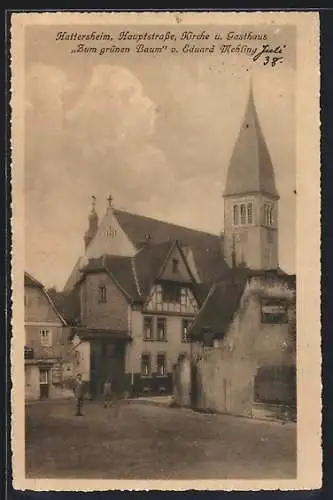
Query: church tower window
[(249, 213), (242, 214), (236, 215), (268, 214)]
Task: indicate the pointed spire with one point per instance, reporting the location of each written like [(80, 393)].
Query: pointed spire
[(251, 169)]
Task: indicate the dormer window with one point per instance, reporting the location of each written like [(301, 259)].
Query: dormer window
[(175, 265)]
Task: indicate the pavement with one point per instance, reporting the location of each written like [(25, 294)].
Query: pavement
[(152, 441)]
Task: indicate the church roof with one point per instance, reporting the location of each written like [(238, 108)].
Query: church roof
[(152, 236), (206, 247), (251, 169)]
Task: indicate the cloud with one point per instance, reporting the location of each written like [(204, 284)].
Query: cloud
[(111, 112)]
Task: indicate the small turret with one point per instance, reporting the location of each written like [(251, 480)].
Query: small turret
[(93, 224)]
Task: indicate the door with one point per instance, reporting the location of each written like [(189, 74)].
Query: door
[(44, 383)]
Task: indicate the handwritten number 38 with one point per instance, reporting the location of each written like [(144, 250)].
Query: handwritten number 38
[(273, 61)]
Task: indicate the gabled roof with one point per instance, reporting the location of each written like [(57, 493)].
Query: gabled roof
[(148, 263), (224, 297), (135, 275), (219, 308), (251, 169), (121, 271), (206, 247), (31, 281), (68, 304)]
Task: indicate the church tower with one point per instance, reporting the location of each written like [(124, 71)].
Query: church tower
[(93, 224), (251, 199)]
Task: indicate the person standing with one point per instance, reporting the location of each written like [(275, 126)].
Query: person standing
[(107, 392), (79, 394)]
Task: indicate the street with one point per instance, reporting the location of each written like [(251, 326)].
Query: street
[(146, 441)]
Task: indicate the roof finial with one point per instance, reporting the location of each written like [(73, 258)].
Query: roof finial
[(110, 199), (93, 203)]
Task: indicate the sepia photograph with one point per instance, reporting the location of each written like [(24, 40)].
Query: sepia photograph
[(165, 299)]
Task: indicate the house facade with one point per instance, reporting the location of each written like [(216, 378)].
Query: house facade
[(47, 352), (135, 316)]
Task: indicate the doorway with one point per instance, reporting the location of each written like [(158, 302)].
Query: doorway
[(43, 383)]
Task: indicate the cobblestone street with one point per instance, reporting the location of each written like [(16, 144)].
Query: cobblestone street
[(146, 441)]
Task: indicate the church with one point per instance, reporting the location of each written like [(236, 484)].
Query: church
[(137, 297)]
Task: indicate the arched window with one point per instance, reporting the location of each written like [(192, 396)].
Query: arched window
[(270, 215), (242, 214), (249, 213), (236, 215)]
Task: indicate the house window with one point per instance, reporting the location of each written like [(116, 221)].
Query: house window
[(102, 294), (171, 293), (43, 377), (242, 214), (45, 337), (145, 365), (236, 215), (249, 213), (148, 328), (183, 297), (159, 294), (161, 329), (186, 324), (274, 311), (175, 265), (161, 365)]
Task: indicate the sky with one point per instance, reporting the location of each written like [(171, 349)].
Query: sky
[(155, 132)]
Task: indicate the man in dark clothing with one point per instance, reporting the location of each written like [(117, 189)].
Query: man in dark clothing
[(79, 394)]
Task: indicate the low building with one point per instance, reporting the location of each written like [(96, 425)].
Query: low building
[(47, 351), (244, 347)]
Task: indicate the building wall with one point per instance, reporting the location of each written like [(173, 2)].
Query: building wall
[(81, 358), (110, 239), (59, 346), (31, 373), (113, 314), (172, 347), (57, 387), (226, 373)]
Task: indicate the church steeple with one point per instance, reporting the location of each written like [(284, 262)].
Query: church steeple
[(251, 169), (251, 198), (93, 223)]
